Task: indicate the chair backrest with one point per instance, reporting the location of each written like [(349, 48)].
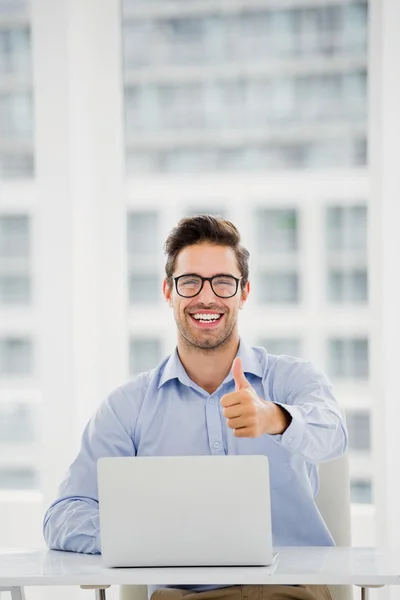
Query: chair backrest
[(333, 498), (333, 501)]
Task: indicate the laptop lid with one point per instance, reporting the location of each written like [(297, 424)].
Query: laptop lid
[(185, 511)]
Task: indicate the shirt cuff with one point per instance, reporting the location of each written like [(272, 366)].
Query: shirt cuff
[(292, 438)]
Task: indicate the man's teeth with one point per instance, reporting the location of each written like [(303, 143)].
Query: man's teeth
[(206, 317)]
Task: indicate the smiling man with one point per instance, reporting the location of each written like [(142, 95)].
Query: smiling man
[(215, 395)]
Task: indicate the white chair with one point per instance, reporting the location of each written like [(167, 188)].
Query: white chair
[(333, 501)]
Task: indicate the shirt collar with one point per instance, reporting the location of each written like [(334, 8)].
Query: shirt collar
[(174, 369)]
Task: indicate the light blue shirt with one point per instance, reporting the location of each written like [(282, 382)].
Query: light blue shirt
[(164, 413)]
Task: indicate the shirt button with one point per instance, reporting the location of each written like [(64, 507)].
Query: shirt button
[(290, 439), (216, 444), (212, 400)]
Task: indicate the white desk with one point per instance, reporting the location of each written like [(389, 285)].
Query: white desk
[(305, 565)]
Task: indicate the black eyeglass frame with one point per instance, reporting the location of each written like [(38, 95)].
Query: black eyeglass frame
[(210, 279)]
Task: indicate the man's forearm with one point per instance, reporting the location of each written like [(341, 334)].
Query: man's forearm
[(73, 524)]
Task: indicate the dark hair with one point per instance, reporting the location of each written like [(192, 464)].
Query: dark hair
[(205, 229)]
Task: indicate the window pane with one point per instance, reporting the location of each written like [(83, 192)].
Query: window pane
[(278, 287), (16, 357), (144, 354), (341, 152), (347, 285), (144, 289), (15, 289), (16, 478), (14, 236), (361, 491), (137, 37), (17, 422), (16, 117), (14, 51), (278, 346), (358, 426), (12, 7), (143, 233), (347, 228), (16, 166), (348, 358), (277, 230)]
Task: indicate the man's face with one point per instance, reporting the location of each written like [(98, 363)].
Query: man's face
[(206, 260)]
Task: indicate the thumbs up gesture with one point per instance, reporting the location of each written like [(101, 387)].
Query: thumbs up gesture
[(247, 414)]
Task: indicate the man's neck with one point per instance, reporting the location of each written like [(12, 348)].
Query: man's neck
[(208, 368)]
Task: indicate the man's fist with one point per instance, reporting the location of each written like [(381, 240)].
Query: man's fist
[(247, 414)]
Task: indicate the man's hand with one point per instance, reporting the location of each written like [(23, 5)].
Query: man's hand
[(247, 414)]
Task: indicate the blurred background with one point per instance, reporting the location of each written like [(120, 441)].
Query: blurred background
[(117, 119)]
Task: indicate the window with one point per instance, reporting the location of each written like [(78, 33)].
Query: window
[(16, 98), (278, 287), (15, 283), (14, 50), (347, 285), (143, 241), (144, 354), (346, 228), (15, 289), (142, 110), (189, 160), (18, 478), (182, 106), (282, 31), (16, 117), (14, 236), (348, 358), (17, 423), (353, 36), (361, 491), (278, 346), (16, 166), (343, 151), (136, 38), (184, 39), (283, 100), (16, 357), (12, 7), (354, 92), (277, 230), (144, 289), (358, 426), (142, 233)]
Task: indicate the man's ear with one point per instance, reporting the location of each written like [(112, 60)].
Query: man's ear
[(167, 293), (244, 295)]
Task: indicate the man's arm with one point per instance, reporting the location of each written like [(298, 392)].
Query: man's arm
[(304, 416), (72, 521), (317, 430)]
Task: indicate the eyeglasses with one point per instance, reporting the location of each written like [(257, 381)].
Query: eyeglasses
[(223, 286)]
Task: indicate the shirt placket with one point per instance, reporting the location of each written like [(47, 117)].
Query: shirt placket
[(214, 425)]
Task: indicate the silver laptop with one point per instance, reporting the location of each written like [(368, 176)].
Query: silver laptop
[(185, 511)]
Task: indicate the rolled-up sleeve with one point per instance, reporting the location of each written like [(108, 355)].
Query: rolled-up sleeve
[(317, 430), (72, 521)]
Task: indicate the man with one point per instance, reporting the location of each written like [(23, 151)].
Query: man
[(213, 395)]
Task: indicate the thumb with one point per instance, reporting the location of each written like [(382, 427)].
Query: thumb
[(241, 382)]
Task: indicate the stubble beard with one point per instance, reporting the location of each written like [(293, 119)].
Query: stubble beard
[(206, 341)]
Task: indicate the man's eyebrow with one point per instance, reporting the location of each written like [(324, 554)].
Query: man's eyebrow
[(215, 275)]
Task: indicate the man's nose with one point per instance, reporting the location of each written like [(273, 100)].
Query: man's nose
[(207, 295)]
